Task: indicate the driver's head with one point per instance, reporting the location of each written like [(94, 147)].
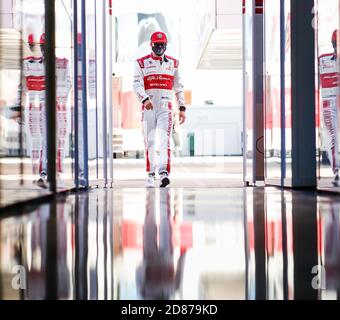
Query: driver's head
[(335, 37), (158, 43), (42, 44)]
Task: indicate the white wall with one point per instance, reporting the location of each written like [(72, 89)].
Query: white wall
[(223, 87), (6, 14), (217, 131), (229, 14)]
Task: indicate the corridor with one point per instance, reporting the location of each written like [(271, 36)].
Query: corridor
[(171, 244)]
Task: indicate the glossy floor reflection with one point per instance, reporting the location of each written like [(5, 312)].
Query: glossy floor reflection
[(174, 244)]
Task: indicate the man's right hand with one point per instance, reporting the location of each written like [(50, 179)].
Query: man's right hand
[(148, 105)]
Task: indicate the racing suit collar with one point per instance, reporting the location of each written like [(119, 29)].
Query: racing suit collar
[(162, 58)]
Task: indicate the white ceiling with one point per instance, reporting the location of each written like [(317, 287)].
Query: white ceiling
[(223, 50)]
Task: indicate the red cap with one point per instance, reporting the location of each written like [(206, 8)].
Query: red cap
[(335, 35), (30, 39), (42, 39), (159, 37)]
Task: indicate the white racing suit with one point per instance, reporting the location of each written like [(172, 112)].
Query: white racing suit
[(156, 78), (34, 86), (62, 92), (329, 79)]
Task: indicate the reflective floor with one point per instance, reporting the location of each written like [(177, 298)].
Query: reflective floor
[(189, 172), (225, 243)]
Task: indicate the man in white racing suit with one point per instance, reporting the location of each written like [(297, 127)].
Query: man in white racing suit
[(156, 76), (329, 80), (34, 88)]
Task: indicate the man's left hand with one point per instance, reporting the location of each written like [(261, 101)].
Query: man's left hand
[(182, 117)]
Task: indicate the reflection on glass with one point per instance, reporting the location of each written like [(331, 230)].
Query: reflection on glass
[(34, 92), (22, 96), (81, 140), (64, 108), (93, 116), (248, 16), (288, 91), (34, 88), (327, 44), (273, 90)]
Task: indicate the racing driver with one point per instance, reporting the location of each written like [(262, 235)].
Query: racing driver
[(329, 79), (156, 76)]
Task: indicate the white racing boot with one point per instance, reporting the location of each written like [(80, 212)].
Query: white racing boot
[(150, 181)]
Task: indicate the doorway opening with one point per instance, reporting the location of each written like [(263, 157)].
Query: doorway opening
[(207, 150)]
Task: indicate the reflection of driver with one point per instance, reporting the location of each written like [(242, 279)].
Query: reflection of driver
[(329, 74), (34, 87), (159, 276)]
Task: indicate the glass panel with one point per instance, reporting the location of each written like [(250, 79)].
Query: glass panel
[(101, 108), (328, 94), (22, 99), (91, 89), (82, 96), (249, 89), (272, 90), (288, 90), (10, 111), (64, 103), (33, 100)]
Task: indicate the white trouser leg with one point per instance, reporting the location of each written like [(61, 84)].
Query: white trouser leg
[(330, 121), (164, 126), (35, 132), (81, 132), (43, 124), (149, 132), (61, 133)]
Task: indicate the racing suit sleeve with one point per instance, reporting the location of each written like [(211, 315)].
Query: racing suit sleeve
[(178, 88), (138, 83), (23, 90)]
